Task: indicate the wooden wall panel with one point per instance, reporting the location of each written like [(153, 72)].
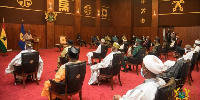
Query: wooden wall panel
[(188, 34), (13, 31), (121, 13), (104, 31), (87, 32), (140, 31), (67, 31)]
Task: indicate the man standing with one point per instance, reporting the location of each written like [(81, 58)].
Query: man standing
[(134, 54), (147, 90), (17, 62), (98, 50), (65, 51), (107, 61)]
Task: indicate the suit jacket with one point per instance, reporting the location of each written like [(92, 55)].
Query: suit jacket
[(175, 70)]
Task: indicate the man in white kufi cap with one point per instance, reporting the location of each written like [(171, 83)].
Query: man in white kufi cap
[(152, 66), (107, 61), (98, 50)]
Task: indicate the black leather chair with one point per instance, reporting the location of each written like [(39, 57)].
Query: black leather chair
[(104, 50), (193, 63), (126, 44), (166, 91), (158, 51), (65, 59), (29, 66), (137, 60), (74, 77), (197, 63), (180, 82), (113, 70), (165, 51)]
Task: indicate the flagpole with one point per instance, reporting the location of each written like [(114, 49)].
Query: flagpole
[(4, 54)]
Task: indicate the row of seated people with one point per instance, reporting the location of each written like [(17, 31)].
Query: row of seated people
[(149, 63)]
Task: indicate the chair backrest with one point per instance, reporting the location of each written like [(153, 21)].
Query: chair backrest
[(185, 71), (30, 62), (117, 62), (166, 92), (77, 57), (126, 44), (63, 60), (62, 40), (194, 60), (140, 55), (74, 76), (104, 50)]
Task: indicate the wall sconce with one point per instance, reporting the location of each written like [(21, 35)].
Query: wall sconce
[(50, 7), (98, 13), (154, 12), (78, 11)]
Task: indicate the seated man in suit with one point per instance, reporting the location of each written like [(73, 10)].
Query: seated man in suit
[(65, 51), (17, 62), (95, 40), (80, 40), (134, 54), (147, 90), (147, 43), (107, 61), (114, 39), (176, 69), (156, 44), (60, 75), (98, 50), (133, 39)]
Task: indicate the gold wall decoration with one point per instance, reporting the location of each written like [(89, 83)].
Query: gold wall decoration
[(64, 5), (143, 10), (180, 94), (178, 4), (104, 12), (25, 3), (143, 1), (88, 10), (50, 16), (142, 20)]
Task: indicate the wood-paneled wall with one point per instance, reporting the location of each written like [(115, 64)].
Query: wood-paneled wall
[(142, 31), (13, 31), (188, 34)]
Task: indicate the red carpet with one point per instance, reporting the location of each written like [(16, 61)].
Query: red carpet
[(9, 91)]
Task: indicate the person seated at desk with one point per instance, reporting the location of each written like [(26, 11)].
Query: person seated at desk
[(133, 39), (60, 75), (65, 51), (147, 43), (152, 66), (18, 60), (114, 39), (95, 40), (134, 54), (123, 38), (107, 39), (79, 39), (107, 61), (98, 50)]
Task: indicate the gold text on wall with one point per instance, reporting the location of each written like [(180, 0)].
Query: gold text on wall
[(178, 5), (25, 3), (142, 20), (64, 5)]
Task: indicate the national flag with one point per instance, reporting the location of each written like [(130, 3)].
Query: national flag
[(3, 40), (21, 42)]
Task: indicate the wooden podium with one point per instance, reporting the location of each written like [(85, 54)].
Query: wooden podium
[(35, 43)]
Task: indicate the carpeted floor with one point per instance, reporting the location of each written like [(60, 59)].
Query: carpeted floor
[(9, 91)]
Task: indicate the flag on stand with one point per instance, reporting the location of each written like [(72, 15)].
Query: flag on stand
[(21, 42), (3, 40)]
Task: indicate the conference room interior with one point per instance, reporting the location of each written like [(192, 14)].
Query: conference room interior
[(49, 20)]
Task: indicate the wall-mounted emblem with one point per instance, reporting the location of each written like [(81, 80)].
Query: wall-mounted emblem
[(104, 12), (50, 16), (25, 3), (64, 5), (88, 10), (178, 4)]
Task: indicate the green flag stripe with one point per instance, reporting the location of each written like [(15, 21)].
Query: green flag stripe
[(2, 47)]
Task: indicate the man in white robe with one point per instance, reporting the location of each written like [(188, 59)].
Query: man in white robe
[(107, 61), (147, 90), (196, 49), (98, 50), (17, 62)]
